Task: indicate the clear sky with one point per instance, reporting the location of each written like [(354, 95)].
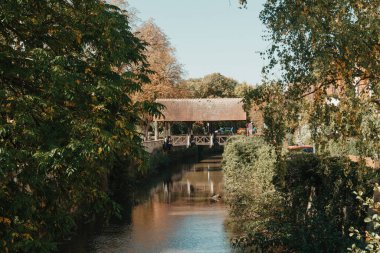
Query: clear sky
[(211, 35)]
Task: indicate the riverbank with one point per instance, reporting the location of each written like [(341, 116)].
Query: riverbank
[(128, 188), (172, 212)]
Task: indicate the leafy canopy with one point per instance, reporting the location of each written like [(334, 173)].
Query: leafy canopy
[(328, 52), (67, 73)]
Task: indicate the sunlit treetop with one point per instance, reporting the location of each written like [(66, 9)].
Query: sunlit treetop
[(331, 51)]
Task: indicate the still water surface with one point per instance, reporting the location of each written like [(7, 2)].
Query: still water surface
[(179, 216)]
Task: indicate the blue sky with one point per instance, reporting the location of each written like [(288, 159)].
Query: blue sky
[(211, 35)]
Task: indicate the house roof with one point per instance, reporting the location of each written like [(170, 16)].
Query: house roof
[(202, 109)]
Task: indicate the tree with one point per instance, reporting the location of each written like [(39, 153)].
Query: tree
[(165, 71), (212, 85), (66, 115), (242, 89), (329, 50), (129, 11)]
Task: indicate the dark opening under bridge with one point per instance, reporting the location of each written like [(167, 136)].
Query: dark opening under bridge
[(189, 111)]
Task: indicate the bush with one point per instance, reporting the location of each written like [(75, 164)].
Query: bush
[(319, 201), (343, 148), (367, 240), (248, 166), (303, 203)]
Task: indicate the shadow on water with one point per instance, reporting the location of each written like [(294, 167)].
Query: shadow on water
[(81, 241), (181, 210)]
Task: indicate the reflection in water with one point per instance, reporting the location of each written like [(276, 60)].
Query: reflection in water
[(179, 216)]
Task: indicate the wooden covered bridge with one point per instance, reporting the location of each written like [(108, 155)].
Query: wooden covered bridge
[(189, 111)]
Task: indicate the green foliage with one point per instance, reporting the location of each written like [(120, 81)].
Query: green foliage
[(369, 240), (319, 203), (273, 102), (67, 70), (343, 148), (242, 89), (319, 43), (213, 85), (329, 52), (309, 208), (370, 136), (248, 166), (243, 3)]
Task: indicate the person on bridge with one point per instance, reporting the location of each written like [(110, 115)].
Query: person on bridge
[(167, 143)]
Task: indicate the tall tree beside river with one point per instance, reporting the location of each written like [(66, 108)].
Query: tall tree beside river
[(66, 115), (330, 49), (165, 70), (329, 56)]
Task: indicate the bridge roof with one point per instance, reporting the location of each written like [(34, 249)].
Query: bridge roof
[(202, 109)]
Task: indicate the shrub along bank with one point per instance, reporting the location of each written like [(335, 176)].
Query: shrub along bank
[(248, 171), (303, 203)]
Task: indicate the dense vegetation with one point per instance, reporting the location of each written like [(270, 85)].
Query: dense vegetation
[(215, 85), (248, 171), (68, 70), (75, 81), (304, 203), (328, 54)]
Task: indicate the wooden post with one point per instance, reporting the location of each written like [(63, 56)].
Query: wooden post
[(188, 141), (211, 140), (169, 129), (165, 129), (155, 130)]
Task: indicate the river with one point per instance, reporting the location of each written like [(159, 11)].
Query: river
[(178, 216)]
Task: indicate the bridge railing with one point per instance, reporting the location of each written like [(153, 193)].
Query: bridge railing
[(203, 140), (200, 140), (222, 139), (188, 140), (180, 140)]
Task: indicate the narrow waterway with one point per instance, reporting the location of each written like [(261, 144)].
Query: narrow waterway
[(183, 213)]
